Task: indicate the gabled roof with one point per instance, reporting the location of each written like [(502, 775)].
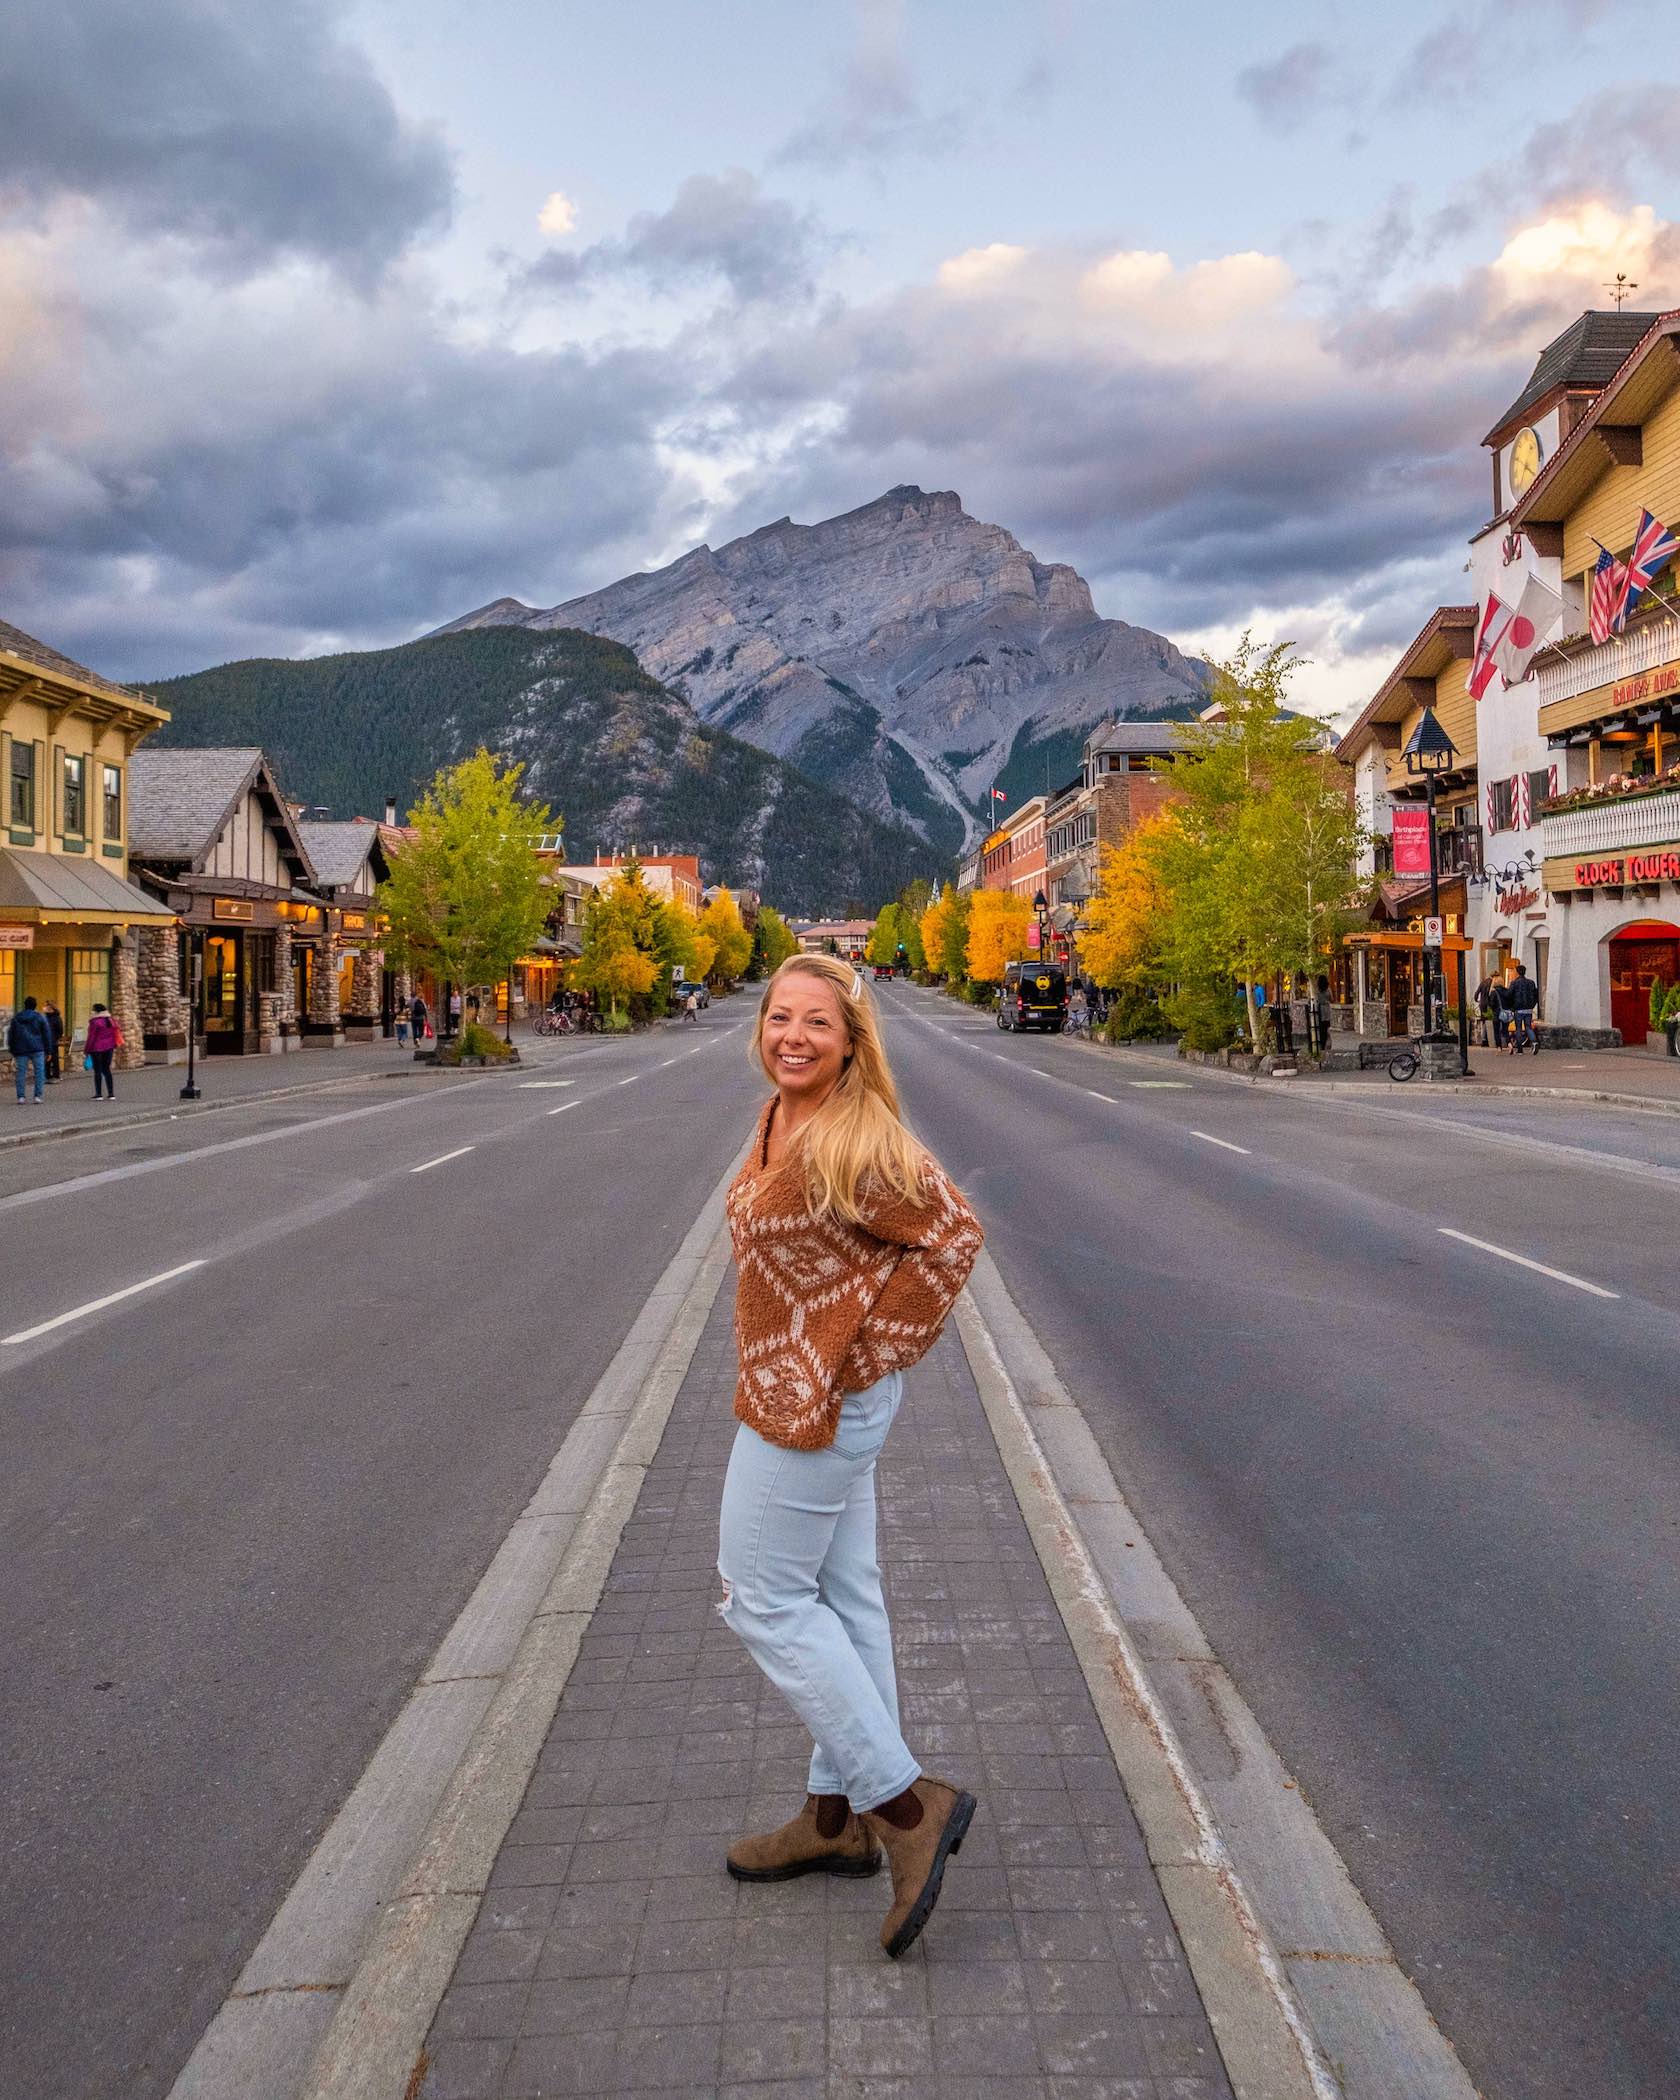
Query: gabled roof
[(1437, 643), (180, 800), (1646, 377), (337, 852), (1589, 353)]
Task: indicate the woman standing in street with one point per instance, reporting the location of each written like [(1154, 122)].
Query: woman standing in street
[(851, 1247)]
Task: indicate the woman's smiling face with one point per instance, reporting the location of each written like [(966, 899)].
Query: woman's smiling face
[(804, 1040)]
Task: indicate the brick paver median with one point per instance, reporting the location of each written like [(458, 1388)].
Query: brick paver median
[(613, 1954)]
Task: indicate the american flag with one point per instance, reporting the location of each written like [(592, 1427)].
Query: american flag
[(1608, 606), (1653, 548)]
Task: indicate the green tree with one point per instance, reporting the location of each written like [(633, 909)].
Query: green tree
[(773, 941), (955, 913), (916, 896), (1258, 864), (883, 942), (465, 897), (910, 935), (620, 962)]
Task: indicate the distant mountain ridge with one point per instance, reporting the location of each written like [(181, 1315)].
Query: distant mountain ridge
[(622, 760), (905, 654)]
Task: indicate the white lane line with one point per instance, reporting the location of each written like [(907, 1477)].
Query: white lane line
[(664, 1061), (631, 1081), (1158, 1082), (561, 1110), (1522, 1261), (459, 1153), (529, 1083), (1095, 1096), (1224, 1144), (80, 1312)]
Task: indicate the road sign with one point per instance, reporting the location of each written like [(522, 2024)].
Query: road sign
[(678, 973), (1434, 932)]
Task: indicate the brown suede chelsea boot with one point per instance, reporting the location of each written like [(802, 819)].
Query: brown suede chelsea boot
[(799, 1847), (917, 1857)]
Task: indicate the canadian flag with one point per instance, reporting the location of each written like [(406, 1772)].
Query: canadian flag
[(1508, 638)]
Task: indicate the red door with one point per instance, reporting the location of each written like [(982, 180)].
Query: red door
[(1635, 965)]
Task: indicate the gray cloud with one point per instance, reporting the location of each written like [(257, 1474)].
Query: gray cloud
[(1285, 91), (873, 112), (722, 227), (250, 130)]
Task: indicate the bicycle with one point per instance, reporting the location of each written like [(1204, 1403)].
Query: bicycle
[(555, 1024)]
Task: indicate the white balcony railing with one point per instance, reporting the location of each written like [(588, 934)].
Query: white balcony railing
[(1614, 827), (1642, 648)]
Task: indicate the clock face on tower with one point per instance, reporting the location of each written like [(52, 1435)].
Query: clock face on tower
[(1525, 461)]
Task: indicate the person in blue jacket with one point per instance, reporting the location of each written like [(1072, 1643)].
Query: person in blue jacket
[(29, 1044)]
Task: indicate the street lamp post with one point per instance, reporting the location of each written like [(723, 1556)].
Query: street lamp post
[(1430, 753), (195, 995), (1041, 905)]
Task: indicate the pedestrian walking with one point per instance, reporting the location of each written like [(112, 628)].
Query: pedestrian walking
[(455, 1013), (401, 1018), (28, 1041), (1499, 1010), (104, 1040), (55, 1028), (851, 1246), (1483, 1001), (418, 1014), (1522, 996)]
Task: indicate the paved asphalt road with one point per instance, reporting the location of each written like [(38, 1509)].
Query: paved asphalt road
[(1425, 1501), (238, 1511)]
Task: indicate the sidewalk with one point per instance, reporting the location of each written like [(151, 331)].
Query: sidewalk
[(614, 1955), (155, 1090), (1626, 1078)]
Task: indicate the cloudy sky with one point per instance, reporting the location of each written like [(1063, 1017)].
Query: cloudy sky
[(321, 323)]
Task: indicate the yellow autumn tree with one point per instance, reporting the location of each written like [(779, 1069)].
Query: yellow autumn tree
[(732, 943), (997, 934), (933, 930), (1126, 919)]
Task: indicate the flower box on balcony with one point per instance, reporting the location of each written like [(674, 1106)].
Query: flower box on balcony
[(1620, 787)]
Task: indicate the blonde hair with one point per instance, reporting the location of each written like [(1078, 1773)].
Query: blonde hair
[(857, 1138)]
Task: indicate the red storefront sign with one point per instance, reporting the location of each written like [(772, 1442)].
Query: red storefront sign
[(1618, 868), (1411, 842)]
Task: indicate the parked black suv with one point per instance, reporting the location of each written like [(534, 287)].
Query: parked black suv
[(1034, 995)]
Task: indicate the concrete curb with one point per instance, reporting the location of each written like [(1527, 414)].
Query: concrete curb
[(338, 1996), (1302, 1990)]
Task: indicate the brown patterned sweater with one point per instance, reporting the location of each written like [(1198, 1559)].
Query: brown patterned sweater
[(823, 1308)]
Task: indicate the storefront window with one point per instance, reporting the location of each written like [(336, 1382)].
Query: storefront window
[(75, 797), (346, 979), (90, 980), (22, 787), (111, 777), (221, 982), (8, 983)]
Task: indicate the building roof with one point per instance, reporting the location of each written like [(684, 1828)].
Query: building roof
[(1642, 382), (1437, 643), (1589, 353), (1156, 738), (16, 643), (55, 882), (179, 800), (338, 851)]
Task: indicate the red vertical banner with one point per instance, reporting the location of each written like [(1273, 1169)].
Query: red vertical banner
[(1411, 842)]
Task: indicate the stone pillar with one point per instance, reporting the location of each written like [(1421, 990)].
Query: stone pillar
[(163, 1006), (285, 989), (325, 1030), (125, 1001), (361, 1023)]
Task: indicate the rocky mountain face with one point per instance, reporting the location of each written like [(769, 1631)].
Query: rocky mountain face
[(905, 654), (620, 759)]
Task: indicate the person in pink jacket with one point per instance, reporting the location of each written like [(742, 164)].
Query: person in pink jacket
[(104, 1040)]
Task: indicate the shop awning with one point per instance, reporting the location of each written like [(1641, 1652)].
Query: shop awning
[(1403, 937), (49, 889)]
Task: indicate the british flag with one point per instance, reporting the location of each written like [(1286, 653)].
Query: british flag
[(1607, 608), (1654, 546)]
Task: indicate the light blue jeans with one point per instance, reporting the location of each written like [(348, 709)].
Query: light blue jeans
[(802, 1588)]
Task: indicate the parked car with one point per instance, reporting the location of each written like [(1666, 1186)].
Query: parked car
[(1033, 995)]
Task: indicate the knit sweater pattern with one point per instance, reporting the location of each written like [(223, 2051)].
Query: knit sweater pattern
[(823, 1307)]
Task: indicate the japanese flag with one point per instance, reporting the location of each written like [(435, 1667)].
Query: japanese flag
[(1538, 612)]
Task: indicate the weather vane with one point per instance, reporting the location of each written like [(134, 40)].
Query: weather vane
[(1621, 289)]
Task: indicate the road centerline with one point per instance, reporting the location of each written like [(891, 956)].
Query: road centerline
[(1224, 1144), (81, 1312), (1524, 1261), (460, 1152)]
